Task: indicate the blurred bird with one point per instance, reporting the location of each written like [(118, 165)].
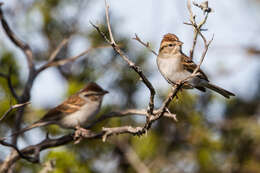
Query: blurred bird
[(74, 112), (175, 66)]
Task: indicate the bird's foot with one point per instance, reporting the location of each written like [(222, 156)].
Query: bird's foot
[(80, 133)]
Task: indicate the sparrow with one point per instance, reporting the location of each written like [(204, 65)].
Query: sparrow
[(175, 66), (78, 110)]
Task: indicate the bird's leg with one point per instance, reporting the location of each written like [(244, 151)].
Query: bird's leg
[(80, 133)]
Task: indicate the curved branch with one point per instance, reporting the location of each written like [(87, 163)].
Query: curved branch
[(147, 45), (19, 43), (131, 64), (13, 107)]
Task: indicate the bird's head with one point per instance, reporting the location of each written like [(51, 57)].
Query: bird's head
[(170, 44)]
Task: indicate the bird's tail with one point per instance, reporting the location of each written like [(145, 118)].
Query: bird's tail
[(34, 125), (219, 90)]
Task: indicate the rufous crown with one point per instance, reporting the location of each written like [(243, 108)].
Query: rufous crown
[(169, 38), (92, 86)]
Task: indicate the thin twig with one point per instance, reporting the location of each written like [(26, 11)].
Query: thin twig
[(9, 83), (120, 130), (30, 159), (25, 97), (132, 157), (131, 64), (11, 108), (129, 112), (108, 24), (204, 6), (58, 49), (48, 166), (67, 60), (206, 46), (147, 45), (19, 43), (196, 27)]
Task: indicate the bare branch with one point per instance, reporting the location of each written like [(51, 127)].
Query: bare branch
[(129, 112), (13, 107), (29, 57), (204, 6), (19, 43), (163, 108), (108, 24), (131, 64), (120, 130), (49, 166), (28, 158), (48, 143), (58, 49), (132, 157), (206, 46), (196, 27), (9, 83), (147, 45), (67, 60)]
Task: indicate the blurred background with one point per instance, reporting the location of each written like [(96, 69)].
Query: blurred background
[(212, 135)]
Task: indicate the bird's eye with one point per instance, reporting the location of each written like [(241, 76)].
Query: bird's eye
[(88, 94), (171, 45)]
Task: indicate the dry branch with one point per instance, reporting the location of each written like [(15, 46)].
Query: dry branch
[(147, 45), (11, 108), (196, 27), (19, 43), (131, 64), (53, 63), (9, 83), (150, 116), (132, 157), (128, 112), (25, 97)]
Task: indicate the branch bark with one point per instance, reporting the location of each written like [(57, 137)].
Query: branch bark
[(12, 108)]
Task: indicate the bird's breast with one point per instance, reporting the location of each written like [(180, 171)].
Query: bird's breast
[(172, 69), (81, 117)]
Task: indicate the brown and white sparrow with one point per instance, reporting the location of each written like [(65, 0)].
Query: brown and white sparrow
[(175, 66), (76, 111)]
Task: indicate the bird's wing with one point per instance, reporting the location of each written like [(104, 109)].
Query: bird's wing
[(190, 66), (72, 104)]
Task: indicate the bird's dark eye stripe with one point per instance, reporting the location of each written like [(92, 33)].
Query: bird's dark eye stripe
[(170, 45), (90, 94)]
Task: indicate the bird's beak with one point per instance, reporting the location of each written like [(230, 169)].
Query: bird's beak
[(105, 92), (179, 43)]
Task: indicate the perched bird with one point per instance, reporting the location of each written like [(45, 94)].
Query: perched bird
[(175, 66), (76, 111)]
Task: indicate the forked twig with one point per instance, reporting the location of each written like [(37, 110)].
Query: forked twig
[(131, 64), (196, 27), (147, 45), (58, 49), (11, 108), (64, 61)]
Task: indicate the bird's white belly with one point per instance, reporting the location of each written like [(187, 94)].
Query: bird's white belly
[(171, 69), (81, 117)]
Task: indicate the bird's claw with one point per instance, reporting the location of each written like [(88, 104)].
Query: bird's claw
[(80, 133)]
